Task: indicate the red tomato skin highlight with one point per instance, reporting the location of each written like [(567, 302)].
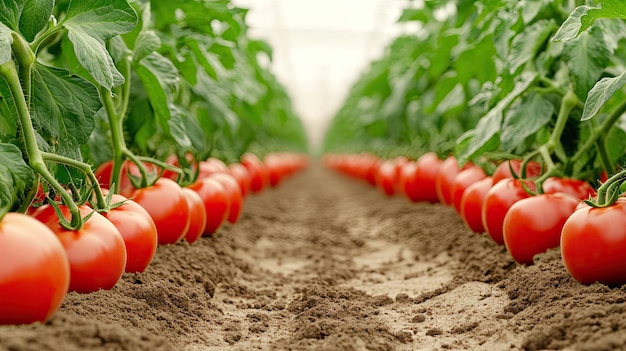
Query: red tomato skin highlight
[(167, 206), (96, 252), (533, 225), (497, 202), (34, 270), (197, 215), (445, 177), (138, 231), (593, 242), (472, 203)]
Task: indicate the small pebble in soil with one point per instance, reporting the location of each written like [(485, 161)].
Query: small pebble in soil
[(434, 332), (418, 318)]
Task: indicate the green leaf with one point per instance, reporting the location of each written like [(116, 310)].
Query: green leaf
[(63, 108), (525, 120), (89, 25), (587, 57), (411, 15), (16, 177), (147, 43), (6, 40), (583, 17), (600, 94), (488, 127), (526, 44), (160, 79), (34, 16), (571, 27)]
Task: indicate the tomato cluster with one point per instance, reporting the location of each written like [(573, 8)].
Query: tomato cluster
[(508, 208), (124, 238)]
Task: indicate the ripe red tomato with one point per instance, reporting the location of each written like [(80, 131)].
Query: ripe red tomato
[(370, 168), (593, 242), (533, 225), (462, 180), (386, 177), (166, 204), (445, 177), (138, 231), (259, 173), (210, 166), (578, 188), (425, 177), (197, 215), (472, 204), (240, 172), (34, 270), (233, 191), (406, 181), (216, 202), (276, 167), (497, 202), (96, 252), (503, 171)]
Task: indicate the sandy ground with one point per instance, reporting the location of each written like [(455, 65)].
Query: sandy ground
[(324, 263)]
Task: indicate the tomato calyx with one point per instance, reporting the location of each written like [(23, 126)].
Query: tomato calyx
[(609, 192)]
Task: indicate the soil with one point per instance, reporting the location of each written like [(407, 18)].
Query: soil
[(326, 263)]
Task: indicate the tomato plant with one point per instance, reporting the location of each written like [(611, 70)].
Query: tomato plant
[(34, 270), (96, 252), (533, 225)]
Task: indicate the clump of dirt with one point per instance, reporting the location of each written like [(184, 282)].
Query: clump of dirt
[(326, 263)]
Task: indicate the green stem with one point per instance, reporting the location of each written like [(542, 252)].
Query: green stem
[(39, 40), (568, 103), (25, 58), (35, 159), (83, 167), (598, 135)]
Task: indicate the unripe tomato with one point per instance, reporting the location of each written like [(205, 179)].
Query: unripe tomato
[(34, 270), (96, 252)]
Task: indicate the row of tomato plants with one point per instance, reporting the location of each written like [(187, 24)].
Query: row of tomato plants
[(505, 205), (48, 260), (490, 81), (125, 124)]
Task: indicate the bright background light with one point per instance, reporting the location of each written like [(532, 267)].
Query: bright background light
[(321, 47)]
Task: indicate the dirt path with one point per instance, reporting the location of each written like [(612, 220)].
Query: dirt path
[(323, 263)]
